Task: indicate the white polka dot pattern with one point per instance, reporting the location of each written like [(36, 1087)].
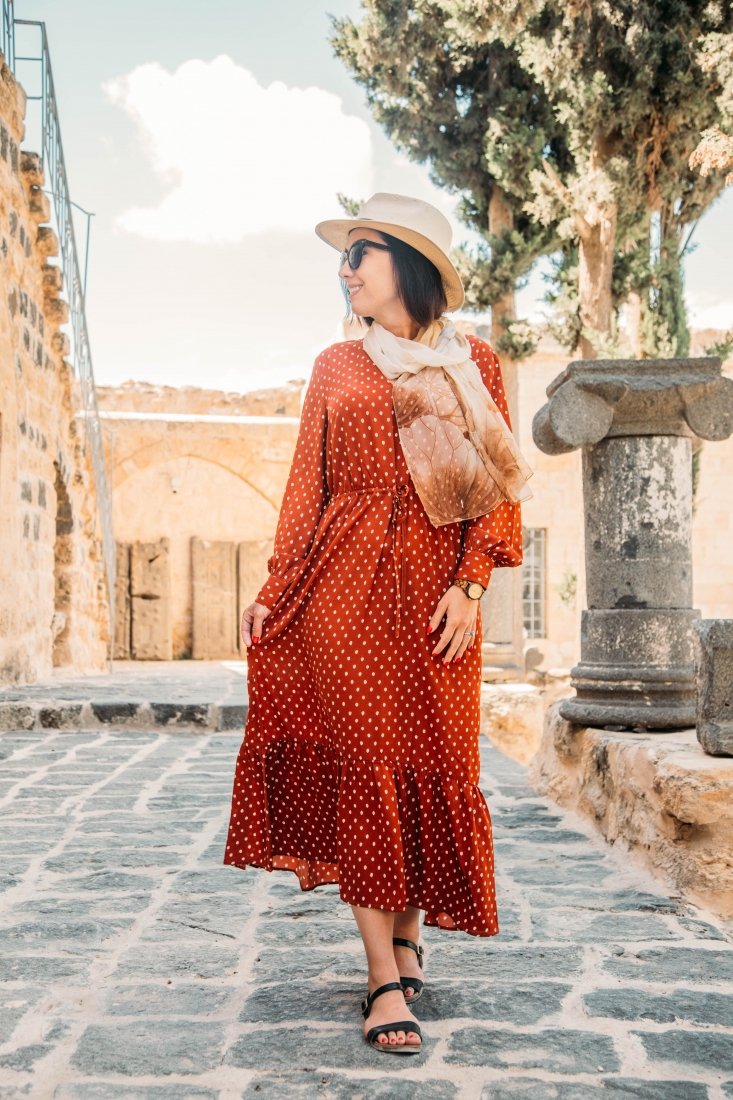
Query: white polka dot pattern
[(360, 759)]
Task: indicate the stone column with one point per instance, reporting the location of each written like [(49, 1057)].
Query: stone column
[(636, 421)]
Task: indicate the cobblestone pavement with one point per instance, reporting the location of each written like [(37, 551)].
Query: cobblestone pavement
[(138, 694), (135, 966)]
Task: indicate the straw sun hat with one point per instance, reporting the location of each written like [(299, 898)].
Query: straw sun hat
[(410, 220)]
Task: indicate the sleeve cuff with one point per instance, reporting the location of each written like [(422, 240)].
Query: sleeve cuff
[(475, 567), (271, 591)]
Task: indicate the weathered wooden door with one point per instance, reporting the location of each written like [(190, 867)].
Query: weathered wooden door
[(123, 607), (252, 573), (214, 575), (150, 591)]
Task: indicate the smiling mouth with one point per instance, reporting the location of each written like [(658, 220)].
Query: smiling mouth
[(355, 289)]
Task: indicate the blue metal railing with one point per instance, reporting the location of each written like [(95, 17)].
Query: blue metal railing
[(52, 157)]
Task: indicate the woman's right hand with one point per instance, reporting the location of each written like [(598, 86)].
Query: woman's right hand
[(252, 619)]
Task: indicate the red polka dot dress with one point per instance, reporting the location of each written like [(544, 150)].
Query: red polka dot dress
[(360, 760)]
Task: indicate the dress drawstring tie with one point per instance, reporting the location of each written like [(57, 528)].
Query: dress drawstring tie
[(398, 521)]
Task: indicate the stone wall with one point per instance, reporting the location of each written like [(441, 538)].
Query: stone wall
[(53, 607), (144, 397)]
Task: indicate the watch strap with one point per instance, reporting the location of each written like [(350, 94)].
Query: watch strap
[(464, 585)]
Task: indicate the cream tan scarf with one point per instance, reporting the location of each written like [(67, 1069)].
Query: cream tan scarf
[(462, 458)]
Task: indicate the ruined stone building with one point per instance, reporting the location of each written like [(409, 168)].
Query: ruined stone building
[(198, 477), (53, 605)]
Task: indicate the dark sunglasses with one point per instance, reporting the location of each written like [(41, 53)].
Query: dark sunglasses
[(354, 254)]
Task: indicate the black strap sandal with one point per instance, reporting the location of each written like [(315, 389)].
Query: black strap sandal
[(382, 1029), (412, 983)]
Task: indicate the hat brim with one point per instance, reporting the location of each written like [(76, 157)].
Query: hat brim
[(336, 231)]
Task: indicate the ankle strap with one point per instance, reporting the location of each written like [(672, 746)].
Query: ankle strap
[(366, 1006), (413, 947)]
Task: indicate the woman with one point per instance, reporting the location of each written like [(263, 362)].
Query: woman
[(360, 760)]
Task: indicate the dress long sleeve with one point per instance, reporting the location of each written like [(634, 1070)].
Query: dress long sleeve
[(496, 538), (306, 495)]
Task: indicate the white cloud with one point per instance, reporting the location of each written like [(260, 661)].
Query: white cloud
[(710, 309), (243, 159)]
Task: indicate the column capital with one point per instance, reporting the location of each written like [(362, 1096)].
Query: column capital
[(595, 399)]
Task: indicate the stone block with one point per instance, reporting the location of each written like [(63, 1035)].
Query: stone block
[(679, 1004), (674, 964), (302, 1048), (302, 1001), (714, 673), (24, 1058), (557, 925), (43, 968), (272, 965), (232, 716), (522, 1004), (180, 714), (173, 1046), (619, 1088), (287, 933), (151, 599), (187, 960), (110, 1090), (115, 714), (183, 999), (509, 964), (17, 716), (62, 716), (660, 794), (551, 1050), (710, 1050), (333, 1086), (214, 576)]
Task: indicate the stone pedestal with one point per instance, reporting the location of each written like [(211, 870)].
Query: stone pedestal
[(637, 422), (714, 669)]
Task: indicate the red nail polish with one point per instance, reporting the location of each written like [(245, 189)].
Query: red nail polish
[(255, 640), (430, 630)]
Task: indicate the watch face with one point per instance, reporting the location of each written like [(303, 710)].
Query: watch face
[(475, 591)]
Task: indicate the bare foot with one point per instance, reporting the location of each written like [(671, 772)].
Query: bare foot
[(386, 1009), (408, 966)]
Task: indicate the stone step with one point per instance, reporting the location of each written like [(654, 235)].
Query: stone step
[(61, 714)]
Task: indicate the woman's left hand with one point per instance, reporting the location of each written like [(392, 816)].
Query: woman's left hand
[(460, 617)]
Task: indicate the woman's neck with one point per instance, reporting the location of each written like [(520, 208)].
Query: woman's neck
[(399, 323)]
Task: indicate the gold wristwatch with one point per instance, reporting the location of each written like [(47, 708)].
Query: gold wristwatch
[(473, 589)]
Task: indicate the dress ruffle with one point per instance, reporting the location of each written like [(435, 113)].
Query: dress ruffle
[(390, 834)]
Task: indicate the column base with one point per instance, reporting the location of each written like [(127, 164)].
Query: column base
[(636, 670)]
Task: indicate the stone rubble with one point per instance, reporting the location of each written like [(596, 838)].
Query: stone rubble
[(135, 966)]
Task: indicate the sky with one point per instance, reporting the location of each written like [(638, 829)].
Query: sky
[(208, 140)]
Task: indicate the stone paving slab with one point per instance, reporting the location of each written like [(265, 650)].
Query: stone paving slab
[(140, 695), (134, 966)]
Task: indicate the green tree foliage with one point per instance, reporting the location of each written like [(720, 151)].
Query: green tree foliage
[(584, 113), (481, 122), (631, 83)]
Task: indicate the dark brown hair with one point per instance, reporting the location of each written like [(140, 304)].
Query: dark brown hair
[(419, 283)]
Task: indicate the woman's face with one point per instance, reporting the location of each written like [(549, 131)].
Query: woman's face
[(372, 287)]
